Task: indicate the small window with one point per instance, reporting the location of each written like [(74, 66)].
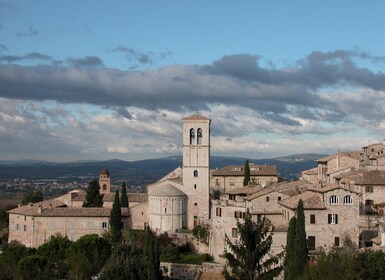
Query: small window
[(195, 204), (239, 214), (332, 219), (217, 182), (192, 136), (195, 186), (218, 212), (232, 182), (234, 232), (71, 225), (104, 225), (336, 241), (267, 199), (334, 200), (259, 218), (199, 132), (165, 210), (369, 189), (25, 227), (312, 219), (90, 225), (311, 242), (348, 200), (104, 187), (195, 173), (17, 226), (279, 198), (369, 202)]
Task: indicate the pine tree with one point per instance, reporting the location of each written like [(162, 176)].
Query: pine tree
[(116, 220), (93, 196), (290, 244), (246, 178), (124, 198), (300, 249), (249, 258)]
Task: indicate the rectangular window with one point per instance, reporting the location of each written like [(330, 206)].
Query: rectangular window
[(332, 219), (267, 199), (231, 196), (195, 204), (369, 202), (217, 182), (311, 242), (279, 198), (218, 212), (90, 225), (17, 226), (104, 225), (71, 226), (312, 219), (234, 232), (369, 189), (25, 227), (52, 226), (259, 218), (336, 241), (239, 214), (232, 182)]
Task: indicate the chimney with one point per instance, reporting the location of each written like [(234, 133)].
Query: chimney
[(39, 209)]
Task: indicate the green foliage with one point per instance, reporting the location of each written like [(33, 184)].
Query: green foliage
[(151, 253), (246, 178), (202, 234), (32, 197), (216, 194), (134, 237), (93, 196), (116, 220), (300, 249), (11, 255), (55, 251), (126, 262), (34, 267), (79, 266), (290, 244), (248, 257), (124, 198), (92, 251), (372, 264)]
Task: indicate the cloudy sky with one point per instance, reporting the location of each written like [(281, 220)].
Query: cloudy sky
[(112, 79)]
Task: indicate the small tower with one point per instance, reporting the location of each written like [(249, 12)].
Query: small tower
[(104, 181), (196, 168)]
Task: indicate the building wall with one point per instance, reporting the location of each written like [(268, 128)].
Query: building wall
[(139, 216), (34, 231), (267, 202), (196, 157), (167, 213), (227, 183)]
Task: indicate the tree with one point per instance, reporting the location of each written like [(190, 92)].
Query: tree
[(246, 178), (34, 267), (248, 257), (55, 251), (290, 243), (124, 198), (93, 196), (151, 251), (32, 197), (300, 249), (116, 220)]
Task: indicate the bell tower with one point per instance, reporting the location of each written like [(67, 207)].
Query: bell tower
[(196, 168), (104, 181)]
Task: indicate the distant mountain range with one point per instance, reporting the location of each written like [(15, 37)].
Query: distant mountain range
[(143, 171)]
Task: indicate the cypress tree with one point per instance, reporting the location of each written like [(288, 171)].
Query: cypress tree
[(151, 251), (300, 248), (116, 220), (290, 244), (124, 198), (93, 196), (246, 178)]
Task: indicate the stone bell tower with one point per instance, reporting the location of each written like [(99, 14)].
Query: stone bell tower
[(104, 181), (196, 168)]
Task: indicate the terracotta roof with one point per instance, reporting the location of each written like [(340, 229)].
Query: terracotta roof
[(311, 200), (331, 187), (137, 197), (109, 197), (105, 171), (166, 190), (289, 188), (312, 171), (339, 170), (245, 190), (238, 170), (365, 177), (280, 225), (32, 208), (177, 173), (354, 154), (374, 144), (80, 196), (196, 117)]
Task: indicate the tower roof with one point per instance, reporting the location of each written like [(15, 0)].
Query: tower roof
[(105, 171), (196, 117)]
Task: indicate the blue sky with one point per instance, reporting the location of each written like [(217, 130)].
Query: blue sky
[(101, 80)]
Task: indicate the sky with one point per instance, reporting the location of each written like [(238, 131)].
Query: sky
[(105, 80)]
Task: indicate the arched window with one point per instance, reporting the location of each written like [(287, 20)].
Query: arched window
[(192, 136), (348, 200), (104, 187), (195, 173), (334, 200), (199, 132)]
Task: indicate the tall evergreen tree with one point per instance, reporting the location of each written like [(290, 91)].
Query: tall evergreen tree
[(124, 198), (300, 250), (290, 244), (116, 220), (246, 178), (248, 258), (152, 253), (93, 196)]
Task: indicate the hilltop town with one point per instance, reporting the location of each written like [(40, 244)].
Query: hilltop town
[(343, 198)]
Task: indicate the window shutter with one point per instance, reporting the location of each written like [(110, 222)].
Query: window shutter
[(336, 218), (329, 218)]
